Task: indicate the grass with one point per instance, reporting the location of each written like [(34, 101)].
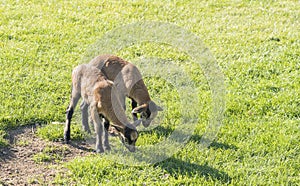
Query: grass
[(50, 153), (53, 132), (256, 44), (3, 141)]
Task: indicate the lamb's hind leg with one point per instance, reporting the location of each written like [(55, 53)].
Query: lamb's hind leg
[(99, 129), (85, 116), (69, 113)]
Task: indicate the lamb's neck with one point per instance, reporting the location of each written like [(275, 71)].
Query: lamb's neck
[(139, 93), (117, 116)]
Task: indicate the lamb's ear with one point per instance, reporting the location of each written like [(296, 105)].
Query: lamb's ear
[(159, 108), (154, 107), (139, 109)]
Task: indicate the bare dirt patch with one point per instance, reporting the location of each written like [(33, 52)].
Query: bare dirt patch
[(19, 163)]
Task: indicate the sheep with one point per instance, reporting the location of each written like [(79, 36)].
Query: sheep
[(100, 96), (129, 83)]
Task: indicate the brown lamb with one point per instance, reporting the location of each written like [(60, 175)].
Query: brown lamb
[(100, 95)]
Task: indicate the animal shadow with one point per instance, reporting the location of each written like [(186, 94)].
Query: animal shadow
[(176, 167), (159, 131), (81, 145), (213, 144)]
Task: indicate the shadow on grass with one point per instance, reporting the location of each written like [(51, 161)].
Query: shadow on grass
[(78, 144), (224, 146), (176, 167), (165, 131), (160, 130), (213, 144)]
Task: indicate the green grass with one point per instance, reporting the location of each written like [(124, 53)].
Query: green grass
[(54, 132), (256, 44), (50, 153), (3, 141)]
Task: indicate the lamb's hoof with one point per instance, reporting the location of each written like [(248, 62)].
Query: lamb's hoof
[(88, 131), (99, 151), (67, 139), (107, 149)]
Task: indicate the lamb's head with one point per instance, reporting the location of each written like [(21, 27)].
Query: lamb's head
[(128, 136), (148, 112)]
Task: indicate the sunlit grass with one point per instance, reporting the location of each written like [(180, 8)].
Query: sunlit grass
[(255, 43), (54, 132)]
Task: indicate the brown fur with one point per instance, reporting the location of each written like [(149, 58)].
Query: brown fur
[(130, 77), (129, 82)]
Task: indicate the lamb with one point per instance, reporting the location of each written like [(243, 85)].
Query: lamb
[(129, 83), (99, 94)]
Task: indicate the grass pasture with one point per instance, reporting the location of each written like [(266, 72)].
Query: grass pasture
[(255, 43)]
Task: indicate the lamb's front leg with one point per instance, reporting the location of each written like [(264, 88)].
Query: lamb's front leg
[(99, 129), (105, 133)]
